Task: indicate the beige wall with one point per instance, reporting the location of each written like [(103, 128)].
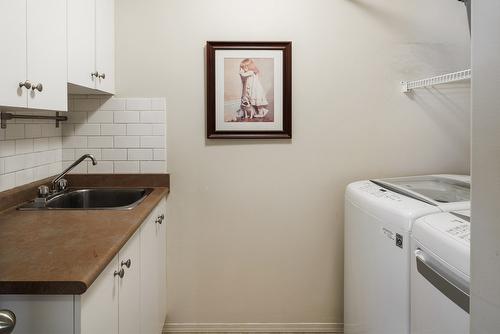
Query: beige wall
[(256, 227), (485, 242)]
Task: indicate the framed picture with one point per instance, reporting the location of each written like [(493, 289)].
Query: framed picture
[(249, 90)]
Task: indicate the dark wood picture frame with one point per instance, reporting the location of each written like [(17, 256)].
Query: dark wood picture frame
[(211, 49)]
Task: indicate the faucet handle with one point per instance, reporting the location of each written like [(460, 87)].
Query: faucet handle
[(61, 184), (43, 191)]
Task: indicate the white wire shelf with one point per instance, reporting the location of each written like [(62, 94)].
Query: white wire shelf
[(407, 86)]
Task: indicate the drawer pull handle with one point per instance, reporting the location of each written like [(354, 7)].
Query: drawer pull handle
[(120, 273), (102, 75), (127, 263)]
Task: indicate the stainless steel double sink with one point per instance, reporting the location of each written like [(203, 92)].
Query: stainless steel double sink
[(91, 199)]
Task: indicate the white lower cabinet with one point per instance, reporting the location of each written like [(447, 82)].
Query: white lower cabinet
[(128, 297)]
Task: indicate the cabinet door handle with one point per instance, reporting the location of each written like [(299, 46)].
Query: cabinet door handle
[(94, 74), (7, 321), (120, 273), (102, 75), (38, 87), (26, 84), (127, 263)]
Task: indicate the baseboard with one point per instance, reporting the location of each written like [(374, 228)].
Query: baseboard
[(236, 328)]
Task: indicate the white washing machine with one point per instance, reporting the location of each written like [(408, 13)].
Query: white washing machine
[(440, 274), (379, 215)]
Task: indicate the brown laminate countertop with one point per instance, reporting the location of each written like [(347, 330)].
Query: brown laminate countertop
[(64, 251)]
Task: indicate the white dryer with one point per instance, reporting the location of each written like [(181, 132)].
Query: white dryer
[(379, 216), (440, 274)]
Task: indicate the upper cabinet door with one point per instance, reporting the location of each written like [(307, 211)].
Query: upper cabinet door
[(105, 45), (81, 43), (13, 54), (47, 54)]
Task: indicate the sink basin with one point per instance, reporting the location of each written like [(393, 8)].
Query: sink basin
[(94, 199)]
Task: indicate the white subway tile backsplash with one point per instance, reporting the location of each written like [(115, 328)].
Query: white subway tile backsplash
[(139, 104), (94, 151), (75, 142), (99, 117), (100, 142), (157, 117), (14, 131), (24, 146), (158, 130), (131, 137), (49, 130), (159, 154), (24, 176), (15, 163), (86, 104), (76, 118), (126, 117), (114, 104), (113, 129), (41, 172), (80, 169), (87, 130), (41, 144), (7, 148), (68, 154), (7, 181), (114, 154), (33, 153), (140, 154), (55, 143), (139, 129), (33, 131), (126, 167), (68, 130), (152, 167), (158, 104), (127, 142), (101, 167), (153, 141)]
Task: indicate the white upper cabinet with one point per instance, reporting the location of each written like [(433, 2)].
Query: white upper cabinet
[(81, 42), (105, 45), (91, 46), (46, 54), (13, 55), (33, 56)]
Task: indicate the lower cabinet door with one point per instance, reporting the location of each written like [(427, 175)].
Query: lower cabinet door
[(129, 305), (150, 276), (99, 304), (163, 262)]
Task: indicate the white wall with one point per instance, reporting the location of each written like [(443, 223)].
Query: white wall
[(256, 227), (485, 242)]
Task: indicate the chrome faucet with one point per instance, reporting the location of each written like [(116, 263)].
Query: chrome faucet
[(59, 184)]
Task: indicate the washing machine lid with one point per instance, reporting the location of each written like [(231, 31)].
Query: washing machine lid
[(447, 235), (445, 191)]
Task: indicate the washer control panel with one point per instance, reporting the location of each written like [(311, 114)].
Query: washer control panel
[(380, 192)]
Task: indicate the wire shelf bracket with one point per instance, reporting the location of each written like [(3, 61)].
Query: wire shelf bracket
[(408, 86)]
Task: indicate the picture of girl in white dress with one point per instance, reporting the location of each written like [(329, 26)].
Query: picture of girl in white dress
[(252, 92), (249, 90)]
